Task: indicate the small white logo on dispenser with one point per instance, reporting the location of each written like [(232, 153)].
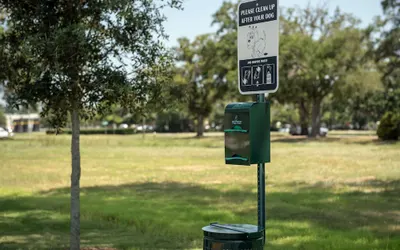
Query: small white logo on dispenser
[(236, 121)]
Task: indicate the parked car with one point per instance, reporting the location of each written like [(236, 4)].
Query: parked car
[(296, 130), (284, 130), (124, 126), (145, 128), (323, 131), (5, 133)]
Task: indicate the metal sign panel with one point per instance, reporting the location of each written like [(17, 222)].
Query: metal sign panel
[(258, 46)]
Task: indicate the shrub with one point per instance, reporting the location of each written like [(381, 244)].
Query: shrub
[(389, 127), (108, 131)]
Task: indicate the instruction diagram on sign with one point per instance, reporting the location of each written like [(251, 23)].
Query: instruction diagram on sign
[(268, 71), (256, 42), (258, 75), (246, 76)]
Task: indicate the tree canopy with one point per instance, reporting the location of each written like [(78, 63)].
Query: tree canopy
[(385, 49), (203, 75), (84, 54)]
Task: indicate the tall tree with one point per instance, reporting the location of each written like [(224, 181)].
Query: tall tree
[(79, 57), (205, 72), (385, 49), (322, 48), (389, 47), (293, 52), (2, 117), (225, 20), (2, 54), (2, 72), (359, 98)]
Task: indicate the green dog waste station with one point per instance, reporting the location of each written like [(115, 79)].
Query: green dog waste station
[(247, 124), (247, 141)]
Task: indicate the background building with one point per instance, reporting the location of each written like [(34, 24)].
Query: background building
[(23, 123)]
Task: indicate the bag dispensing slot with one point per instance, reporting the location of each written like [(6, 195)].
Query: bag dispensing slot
[(236, 158), (236, 129)]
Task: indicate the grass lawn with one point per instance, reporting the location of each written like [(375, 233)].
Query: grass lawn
[(158, 191)]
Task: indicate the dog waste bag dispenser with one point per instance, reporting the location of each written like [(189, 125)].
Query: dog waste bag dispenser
[(247, 132)]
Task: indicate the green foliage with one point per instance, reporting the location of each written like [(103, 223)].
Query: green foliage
[(2, 57), (216, 118), (389, 127), (110, 131), (384, 35), (318, 51), (114, 119), (85, 55), (226, 17), (2, 117), (360, 98), (225, 20), (203, 74), (128, 131), (389, 29), (285, 114), (173, 121)]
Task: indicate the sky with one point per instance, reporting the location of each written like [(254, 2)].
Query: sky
[(196, 17)]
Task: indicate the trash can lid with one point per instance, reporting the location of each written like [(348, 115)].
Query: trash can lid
[(232, 231)]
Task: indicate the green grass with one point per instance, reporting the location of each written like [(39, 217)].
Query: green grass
[(158, 191)]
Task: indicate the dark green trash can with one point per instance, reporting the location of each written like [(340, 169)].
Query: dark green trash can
[(232, 237)]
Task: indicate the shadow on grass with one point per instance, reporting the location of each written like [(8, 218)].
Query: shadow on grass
[(303, 139), (171, 215), (366, 140), (7, 139)]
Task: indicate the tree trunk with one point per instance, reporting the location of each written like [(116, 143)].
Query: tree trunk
[(333, 118), (303, 117), (75, 179), (143, 127), (316, 117), (200, 126)]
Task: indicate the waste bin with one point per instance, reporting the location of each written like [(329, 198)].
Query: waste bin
[(232, 237)]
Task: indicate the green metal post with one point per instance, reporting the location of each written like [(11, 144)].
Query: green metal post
[(261, 185)]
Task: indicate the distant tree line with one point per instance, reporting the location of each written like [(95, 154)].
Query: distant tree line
[(332, 73)]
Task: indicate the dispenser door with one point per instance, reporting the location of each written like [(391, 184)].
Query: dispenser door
[(237, 138)]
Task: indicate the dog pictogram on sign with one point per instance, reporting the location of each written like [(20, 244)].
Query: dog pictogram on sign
[(256, 42)]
